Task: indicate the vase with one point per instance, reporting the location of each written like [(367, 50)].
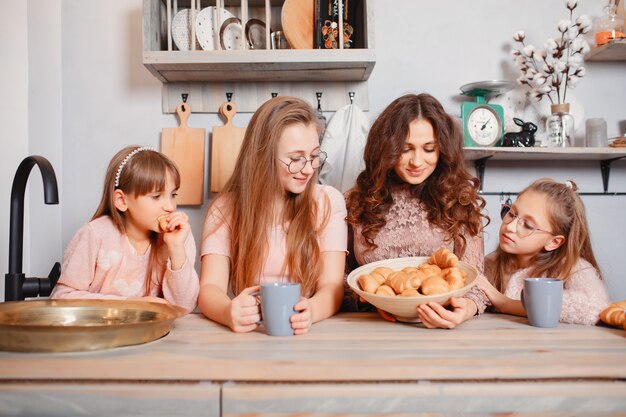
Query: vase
[(560, 126)]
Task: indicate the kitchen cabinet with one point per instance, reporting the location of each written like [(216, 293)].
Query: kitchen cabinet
[(606, 156), (353, 64), (352, 363)]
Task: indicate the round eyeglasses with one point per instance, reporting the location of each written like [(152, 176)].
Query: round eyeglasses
[(523, 229), (297, 164)]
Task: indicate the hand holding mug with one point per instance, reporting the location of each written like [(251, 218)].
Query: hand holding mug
[(245, 311), (301, 322)]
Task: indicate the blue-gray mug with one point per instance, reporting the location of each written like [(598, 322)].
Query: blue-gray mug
[(542, 299), (277, 306)]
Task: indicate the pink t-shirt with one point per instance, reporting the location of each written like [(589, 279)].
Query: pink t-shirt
[(334, 236), (100, 262)]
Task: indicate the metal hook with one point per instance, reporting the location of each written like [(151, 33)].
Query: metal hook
[(319, 100), (229, 97), (351, 95), (274, 95)]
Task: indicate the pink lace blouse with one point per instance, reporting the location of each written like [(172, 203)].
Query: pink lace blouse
[(409, 233)]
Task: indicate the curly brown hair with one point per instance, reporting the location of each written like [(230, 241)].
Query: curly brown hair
[(450, 193)]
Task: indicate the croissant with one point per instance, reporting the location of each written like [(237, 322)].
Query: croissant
[(385, 290), (443, 258), (454, 278), (410, 269), (430, 270), (434, 285), (163, 222), (615, 314), (381, 274), (410, 292), (368, 283), (400, 280)]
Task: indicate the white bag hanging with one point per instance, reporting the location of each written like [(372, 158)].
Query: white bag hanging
[(344, 142)]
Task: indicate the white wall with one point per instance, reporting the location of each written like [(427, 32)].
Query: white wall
[(110, 100), (43, 238), (13, 111)]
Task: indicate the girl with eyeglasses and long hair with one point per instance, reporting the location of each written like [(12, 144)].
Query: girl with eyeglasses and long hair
[(544, 233), (416, 196), (273, 222)]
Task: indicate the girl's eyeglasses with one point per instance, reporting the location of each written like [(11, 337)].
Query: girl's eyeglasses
[(296, 165), (523, 229)]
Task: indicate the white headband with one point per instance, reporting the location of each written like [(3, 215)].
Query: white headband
[(125, 161)]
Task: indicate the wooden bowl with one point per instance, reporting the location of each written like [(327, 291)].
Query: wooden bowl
[(405, 308)]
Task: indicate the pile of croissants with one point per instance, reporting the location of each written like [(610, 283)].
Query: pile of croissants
[(438, 275)]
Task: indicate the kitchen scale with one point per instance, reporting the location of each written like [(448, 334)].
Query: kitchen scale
[(483, 123)]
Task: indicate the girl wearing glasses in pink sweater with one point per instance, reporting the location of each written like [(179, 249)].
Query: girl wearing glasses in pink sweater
[(545, 234), (273, 222)]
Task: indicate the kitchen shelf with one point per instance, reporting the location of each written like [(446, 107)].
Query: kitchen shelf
[(255, 66), (219, 66), (544, 154), (614, 50), (606, 156)]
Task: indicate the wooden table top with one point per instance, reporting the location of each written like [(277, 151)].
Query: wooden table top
[(345, 348)]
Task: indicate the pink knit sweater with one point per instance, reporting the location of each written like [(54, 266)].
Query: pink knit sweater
[(584, 293), (100, 262)]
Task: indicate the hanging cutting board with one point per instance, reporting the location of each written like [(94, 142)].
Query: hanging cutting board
[(297, 18), (185, 146), (226, 142)]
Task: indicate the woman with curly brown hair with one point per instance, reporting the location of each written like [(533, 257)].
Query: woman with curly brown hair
[(416, 196)]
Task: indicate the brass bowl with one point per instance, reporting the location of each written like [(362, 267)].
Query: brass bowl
[(79, 325)]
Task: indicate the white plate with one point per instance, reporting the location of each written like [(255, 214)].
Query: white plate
[(255, 34), (231, 34), (205, 27), (181, 29)]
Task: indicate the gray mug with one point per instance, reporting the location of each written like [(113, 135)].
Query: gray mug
[(542, 299), (277, 306)]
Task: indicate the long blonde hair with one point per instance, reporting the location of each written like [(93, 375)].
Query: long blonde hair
[(250, 200), (142, 174), (567, 218)]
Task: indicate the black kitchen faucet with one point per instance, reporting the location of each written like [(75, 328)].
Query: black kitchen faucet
[(17, 286)]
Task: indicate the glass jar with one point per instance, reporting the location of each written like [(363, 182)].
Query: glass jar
[(560, 126), (610, 26)]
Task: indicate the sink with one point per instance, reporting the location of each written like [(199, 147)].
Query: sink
[(82, 325)]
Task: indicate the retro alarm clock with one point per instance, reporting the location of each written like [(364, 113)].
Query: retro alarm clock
[(483, 123)]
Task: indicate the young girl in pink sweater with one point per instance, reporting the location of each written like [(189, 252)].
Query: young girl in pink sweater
[(137, 246), (545, 234)]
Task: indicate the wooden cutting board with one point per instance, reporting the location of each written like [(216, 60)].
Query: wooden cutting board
[(185, 146), (297, 18), (226, 142)]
